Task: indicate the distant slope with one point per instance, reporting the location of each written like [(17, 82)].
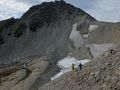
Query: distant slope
[(105, 33)]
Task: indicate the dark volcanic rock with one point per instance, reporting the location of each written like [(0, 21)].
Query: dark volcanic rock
[(49, 13), (20, 29), (43, 30), (6, 23)]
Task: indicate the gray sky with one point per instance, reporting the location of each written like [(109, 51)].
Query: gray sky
[(103, 10)]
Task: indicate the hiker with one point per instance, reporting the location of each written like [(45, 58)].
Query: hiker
[(74, 72), (80, 66), (73, 67)]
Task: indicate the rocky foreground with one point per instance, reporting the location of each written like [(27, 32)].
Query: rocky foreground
[(103, 73), (29, 77)]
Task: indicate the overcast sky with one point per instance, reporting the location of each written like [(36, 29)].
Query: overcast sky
[(103, 10)]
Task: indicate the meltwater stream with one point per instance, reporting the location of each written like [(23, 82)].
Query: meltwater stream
[(65, 65)]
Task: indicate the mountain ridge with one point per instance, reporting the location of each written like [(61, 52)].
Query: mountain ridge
[(38, 19)]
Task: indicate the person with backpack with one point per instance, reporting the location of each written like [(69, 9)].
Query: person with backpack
[(80, 66)]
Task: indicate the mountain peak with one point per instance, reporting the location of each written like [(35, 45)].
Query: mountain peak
[(50, 12)]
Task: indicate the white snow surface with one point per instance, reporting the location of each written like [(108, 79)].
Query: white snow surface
[(97, 49), (76, 37), (85, 36), (92, 27), (66, 63)]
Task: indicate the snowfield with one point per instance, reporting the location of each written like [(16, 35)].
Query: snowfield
[(65, 65), (76, 37), (85, 36)]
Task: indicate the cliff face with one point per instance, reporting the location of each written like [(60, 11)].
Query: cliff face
[(43, 30)]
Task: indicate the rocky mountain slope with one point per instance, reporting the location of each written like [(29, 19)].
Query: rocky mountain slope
[(105, 33), (43, 30), (53, 29), (102, 73), (31, 46)]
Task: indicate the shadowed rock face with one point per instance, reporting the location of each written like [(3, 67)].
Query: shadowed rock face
[(43, 30), (50, 13), (7, 23)]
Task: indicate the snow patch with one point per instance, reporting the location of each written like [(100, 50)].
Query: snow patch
[(85, 36), (76, 37), (92, 27), (97, 49), (65, 65)]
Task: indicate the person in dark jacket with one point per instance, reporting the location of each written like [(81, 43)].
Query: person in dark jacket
[(80, 66)]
